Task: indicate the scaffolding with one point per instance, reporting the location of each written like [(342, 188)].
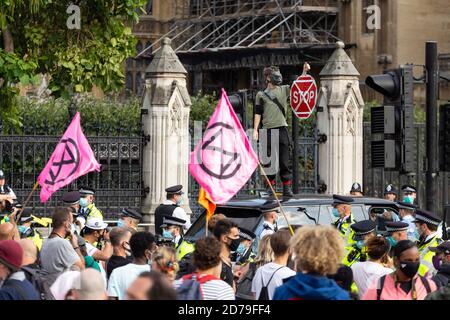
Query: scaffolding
[(220, 25)]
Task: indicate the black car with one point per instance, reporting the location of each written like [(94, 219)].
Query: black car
[(301, 210)]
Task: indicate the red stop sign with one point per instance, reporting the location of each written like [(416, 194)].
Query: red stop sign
[(303, 96)]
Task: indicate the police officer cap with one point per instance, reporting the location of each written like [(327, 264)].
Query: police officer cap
[(2, 174), (246, 234), (444, 247), (172, 221), (427, 217), (392, 226), (390, 188), (127, 212), (175, 189), (269, 206), (337, 199), (406, 206), (71, 197), (84, 191), (356, 187), (409, 188), (364, 227)]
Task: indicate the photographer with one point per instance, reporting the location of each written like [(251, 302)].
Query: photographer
[(95, 232), (6, 193)]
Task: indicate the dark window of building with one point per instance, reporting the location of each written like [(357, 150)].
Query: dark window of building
[(149, 8), (129, 82), (138, 83)]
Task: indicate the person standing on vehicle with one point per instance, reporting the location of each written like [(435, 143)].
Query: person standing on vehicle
[(342, 210), (172, 207), (362, 231), (271, 107)]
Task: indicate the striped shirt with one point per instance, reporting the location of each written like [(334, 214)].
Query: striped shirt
[(213, 290)]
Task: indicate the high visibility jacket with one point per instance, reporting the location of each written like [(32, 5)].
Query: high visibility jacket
[(344, 229), (354, 255), (37, 239), (91, 211), (426, 257), (184, 248)]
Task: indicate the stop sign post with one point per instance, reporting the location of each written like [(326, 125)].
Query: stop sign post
[(303, 96)]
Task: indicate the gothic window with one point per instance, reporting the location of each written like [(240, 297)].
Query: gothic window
[(129, 82), (149, 8)]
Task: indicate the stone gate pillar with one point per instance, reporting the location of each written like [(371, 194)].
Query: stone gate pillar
[(165, 117), (341, 119)]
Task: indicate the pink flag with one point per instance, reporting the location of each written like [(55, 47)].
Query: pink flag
[(224, 159), (72, 158)]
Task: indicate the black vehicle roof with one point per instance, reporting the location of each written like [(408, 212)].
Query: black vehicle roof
[(299, 200)]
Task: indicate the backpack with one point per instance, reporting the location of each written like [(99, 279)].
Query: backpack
[(191, 288), (39, 282), (264, 294), (380, 285)]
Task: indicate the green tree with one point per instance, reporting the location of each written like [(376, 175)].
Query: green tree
[(36, 39)]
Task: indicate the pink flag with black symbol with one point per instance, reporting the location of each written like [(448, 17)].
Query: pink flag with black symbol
[(224, 159), (72, 158)]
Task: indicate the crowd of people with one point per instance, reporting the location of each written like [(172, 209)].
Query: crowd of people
[(84, 258)]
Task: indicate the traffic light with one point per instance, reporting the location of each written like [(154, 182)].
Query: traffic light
[(392, 124), (238, 101), (444, 138)]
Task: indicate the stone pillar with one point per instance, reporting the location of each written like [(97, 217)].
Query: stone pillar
[(341, 119), (165, 116)]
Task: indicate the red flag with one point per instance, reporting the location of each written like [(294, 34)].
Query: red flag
[(72, 158)]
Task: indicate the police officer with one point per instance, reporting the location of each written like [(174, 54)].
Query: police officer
[(427, 224), (407, 215), (27, 229), (356, 190), (173, 229), (270, 212), (5, 191), (271, 107), (71, 200), (409, 194), (362, 231), (396, 231), (244, 252), (390, 193), (129, 218), (342, 210), (87, 205), (172, 207)]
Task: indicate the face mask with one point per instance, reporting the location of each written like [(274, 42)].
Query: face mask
[(408, 199), (127, 249), (73, 228), (84, 202), (120, 223), (437, 262), (241, 249), (409, 269), (180, 201), (392, 241), (416, 234), (22, 229), (335, 212), (360, 244), (234, 244), (167, 234)]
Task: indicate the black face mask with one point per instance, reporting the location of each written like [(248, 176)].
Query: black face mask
[(234, 244), (409, 269)]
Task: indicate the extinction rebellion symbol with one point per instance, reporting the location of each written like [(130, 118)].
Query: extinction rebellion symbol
[(227, 165), (68, 163)]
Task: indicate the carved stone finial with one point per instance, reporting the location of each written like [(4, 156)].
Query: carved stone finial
[(340, 44), (167, 40)]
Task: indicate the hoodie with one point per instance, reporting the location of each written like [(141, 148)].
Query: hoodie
[(442, 278), (310, 287)]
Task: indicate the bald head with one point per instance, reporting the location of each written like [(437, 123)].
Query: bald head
[(90, 286), (6, 231), (29, 251)]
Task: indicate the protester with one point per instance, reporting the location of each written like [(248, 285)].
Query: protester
[(404, 283), (441, 262), (356, 190), (151, 285), (143, 247), (59, 254), (164, 261), (14, 285), (271, 275), (208, 261), (365, 272), (265, 253), (318, 252), (344, 279), (30, 252), (129, 218), (342, 211), (172, 207), (120, 241), (88, 285)]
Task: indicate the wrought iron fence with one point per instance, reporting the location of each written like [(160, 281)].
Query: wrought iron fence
[(376, 179), (119, 184)]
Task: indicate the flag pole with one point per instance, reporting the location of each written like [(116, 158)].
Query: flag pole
[(26, 201), (276, 198)]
